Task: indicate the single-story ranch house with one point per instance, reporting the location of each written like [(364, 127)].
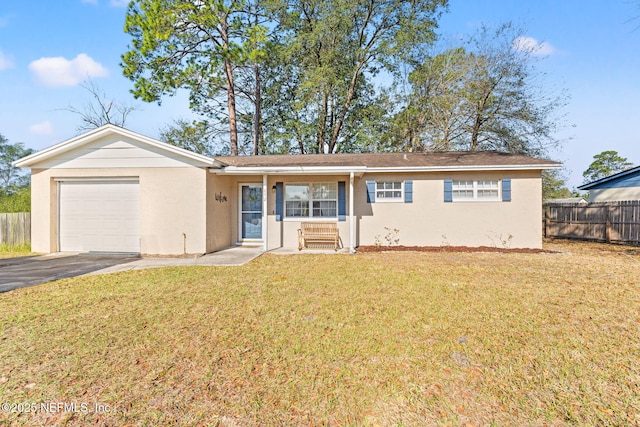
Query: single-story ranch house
[(114, 190)]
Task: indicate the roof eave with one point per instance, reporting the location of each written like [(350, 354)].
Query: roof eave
[(610, 178), (468, 168), (334, 170), (287, 170)]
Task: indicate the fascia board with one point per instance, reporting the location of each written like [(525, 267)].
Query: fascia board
[(287, 170), (462, 168), (333, 170)]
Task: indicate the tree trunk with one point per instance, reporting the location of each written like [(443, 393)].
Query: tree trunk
[(475, 132), (322, 123), (257, 117), (231, 95), (347, 104)]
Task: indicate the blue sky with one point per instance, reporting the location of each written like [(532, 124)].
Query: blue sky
[(47, 48)]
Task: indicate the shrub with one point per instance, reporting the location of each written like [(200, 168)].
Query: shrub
[(19, 201)]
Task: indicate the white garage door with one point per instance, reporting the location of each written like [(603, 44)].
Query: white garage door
[(101, 216)]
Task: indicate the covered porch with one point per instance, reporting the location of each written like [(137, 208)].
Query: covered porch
[(266, 209)]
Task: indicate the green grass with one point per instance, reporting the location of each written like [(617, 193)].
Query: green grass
[(12, 251), (383, 339)]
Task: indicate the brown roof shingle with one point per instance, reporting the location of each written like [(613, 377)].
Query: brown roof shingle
[(389, 160)]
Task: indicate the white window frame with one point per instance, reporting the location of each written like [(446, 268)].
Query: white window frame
[(310, 216), (383, 199), (475, 187)]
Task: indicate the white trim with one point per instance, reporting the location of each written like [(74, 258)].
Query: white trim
[(106, 130), (307, 219), (250, 242), (352, 230), (240, 240), (286, 170), (311, 200), (264, 213), (58, 185), (339, 170), (391, 199), (475, 189), (99, 179), (462, 168)]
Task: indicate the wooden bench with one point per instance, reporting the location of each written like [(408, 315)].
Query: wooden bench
[(318, 232)]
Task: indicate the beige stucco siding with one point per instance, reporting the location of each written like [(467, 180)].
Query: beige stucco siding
[(429, 221), (172, 207), (219, 211), (614, 194)]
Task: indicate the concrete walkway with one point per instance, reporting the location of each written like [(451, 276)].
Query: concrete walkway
[(233, 256), (33, 270)]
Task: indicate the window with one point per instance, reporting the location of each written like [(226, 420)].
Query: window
[(475, 190), (317, 200), (389, 191), (487, 190)]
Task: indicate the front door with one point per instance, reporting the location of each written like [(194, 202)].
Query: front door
[(250, 227)]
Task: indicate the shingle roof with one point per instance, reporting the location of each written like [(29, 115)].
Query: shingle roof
[(389, 160)]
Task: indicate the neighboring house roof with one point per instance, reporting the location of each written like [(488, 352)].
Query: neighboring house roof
[(627, 178), (567, 200), (386, 162), (108, 130)]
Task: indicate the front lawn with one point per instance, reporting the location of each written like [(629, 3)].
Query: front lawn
[(377, 339)]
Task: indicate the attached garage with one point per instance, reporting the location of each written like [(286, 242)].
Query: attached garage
[(113, 190), (99, 215)]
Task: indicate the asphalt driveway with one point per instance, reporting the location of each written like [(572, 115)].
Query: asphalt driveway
[(33, 270)]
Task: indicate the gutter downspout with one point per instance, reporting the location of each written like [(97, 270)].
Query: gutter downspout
[(352, 231), (264, 213)]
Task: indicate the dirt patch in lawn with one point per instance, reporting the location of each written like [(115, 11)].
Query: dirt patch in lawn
[(368, 249), (550, 246)]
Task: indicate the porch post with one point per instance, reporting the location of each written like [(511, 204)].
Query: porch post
[(264, 213), (352, 231)]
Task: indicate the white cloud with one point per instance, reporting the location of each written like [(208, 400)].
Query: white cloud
[(113, 3), (533, 46), (59, 71), (43, 128), (5, 62)]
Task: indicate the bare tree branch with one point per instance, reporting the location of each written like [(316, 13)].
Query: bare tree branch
[(100, 110)]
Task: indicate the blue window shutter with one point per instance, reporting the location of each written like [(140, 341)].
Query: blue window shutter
[(279, 201), (371, 191), (448, 190), (506, 189), (408, 191), (342, 201)]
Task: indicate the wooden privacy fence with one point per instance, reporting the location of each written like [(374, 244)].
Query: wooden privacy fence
[(617, 222), (15, 228)]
